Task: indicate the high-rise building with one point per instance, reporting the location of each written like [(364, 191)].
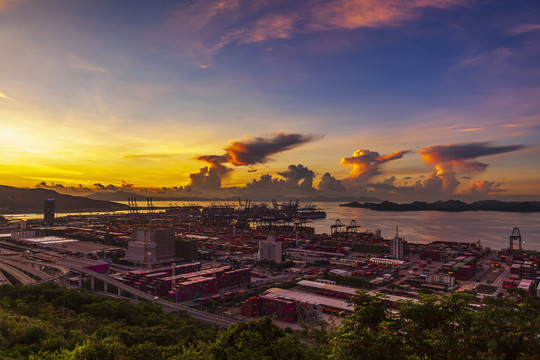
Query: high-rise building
[(270, 250), (398, 247), (151, 246), (48, 212)]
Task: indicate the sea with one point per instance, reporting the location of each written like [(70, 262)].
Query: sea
[(491, 228)]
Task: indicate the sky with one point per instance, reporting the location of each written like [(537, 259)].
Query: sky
[(397, 100)]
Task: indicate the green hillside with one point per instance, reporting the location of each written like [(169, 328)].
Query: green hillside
[(53, 323)]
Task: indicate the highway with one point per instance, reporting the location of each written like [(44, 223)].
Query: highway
[(17, 274), (27, 269), (194, 313), (3, 279)]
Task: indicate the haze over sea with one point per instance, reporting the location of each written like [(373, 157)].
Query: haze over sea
[(492, 228)]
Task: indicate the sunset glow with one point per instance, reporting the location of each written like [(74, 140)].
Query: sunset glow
[(434, 99)]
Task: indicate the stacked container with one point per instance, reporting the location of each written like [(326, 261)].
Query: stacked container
[(250, 307), (279, 306), (307, 310), (528, 270), (235, 277), (510, 283), (196, 287), (528, 285), (515, 271)]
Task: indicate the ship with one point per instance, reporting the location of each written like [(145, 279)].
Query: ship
[(311, 212)]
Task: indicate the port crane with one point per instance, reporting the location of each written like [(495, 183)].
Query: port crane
[(516, 236)]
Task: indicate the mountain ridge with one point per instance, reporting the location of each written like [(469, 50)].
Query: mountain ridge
[(14, 199), (450, 206)]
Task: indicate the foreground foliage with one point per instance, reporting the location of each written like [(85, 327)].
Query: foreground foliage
[(54, 323)]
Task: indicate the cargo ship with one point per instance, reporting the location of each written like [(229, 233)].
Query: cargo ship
[(311, 212)]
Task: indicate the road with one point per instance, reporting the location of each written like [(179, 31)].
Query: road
[(3, 279), (25, 268), (196, 314), (17, 274)]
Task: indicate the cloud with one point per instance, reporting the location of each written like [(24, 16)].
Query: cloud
[(483, 188), (247, 152), (101, 187), (366, 164), (462, 156), (209, 177), (127, 186), (4, 4), (297, 180), (524, 28), (208, 26), (453, 158), (213, 160), (82, 64), (299, 176), (4, 96), (272, 26), (266, 185), (64, 189), (353, 14), (329, 183), (137, 156), (258, 150)]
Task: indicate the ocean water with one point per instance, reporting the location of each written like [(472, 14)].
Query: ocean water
[(492, 228)]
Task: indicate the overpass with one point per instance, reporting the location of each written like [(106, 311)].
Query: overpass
[(123, 290), (45, 272), (48, 272), (3, 279), (17, 274)]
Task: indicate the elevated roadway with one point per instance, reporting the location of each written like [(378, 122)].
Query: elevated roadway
[(168, 305), (35, 268), (21, 277), (3, 279), (42, 275)]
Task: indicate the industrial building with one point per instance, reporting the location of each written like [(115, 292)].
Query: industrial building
[(151, 246), (270, 250), (186, 249), (67, 245), (48, 212)]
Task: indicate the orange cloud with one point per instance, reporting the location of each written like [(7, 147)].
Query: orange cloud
[(365, 163), (205, 27), (482, 187), (247, 152), (4, 3), (257, 150), (352, 14), (449, 159)]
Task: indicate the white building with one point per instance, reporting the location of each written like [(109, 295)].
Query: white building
[(151, 245), (270, 250), (398, 247), (443, 279), (20, 234)]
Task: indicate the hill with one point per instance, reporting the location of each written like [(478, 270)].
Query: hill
[(14, 200), (450, 206)]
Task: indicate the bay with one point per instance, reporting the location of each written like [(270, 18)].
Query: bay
[(492, 228)]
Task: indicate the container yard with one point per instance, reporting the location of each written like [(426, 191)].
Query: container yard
[(187, 281), (225, 241)]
